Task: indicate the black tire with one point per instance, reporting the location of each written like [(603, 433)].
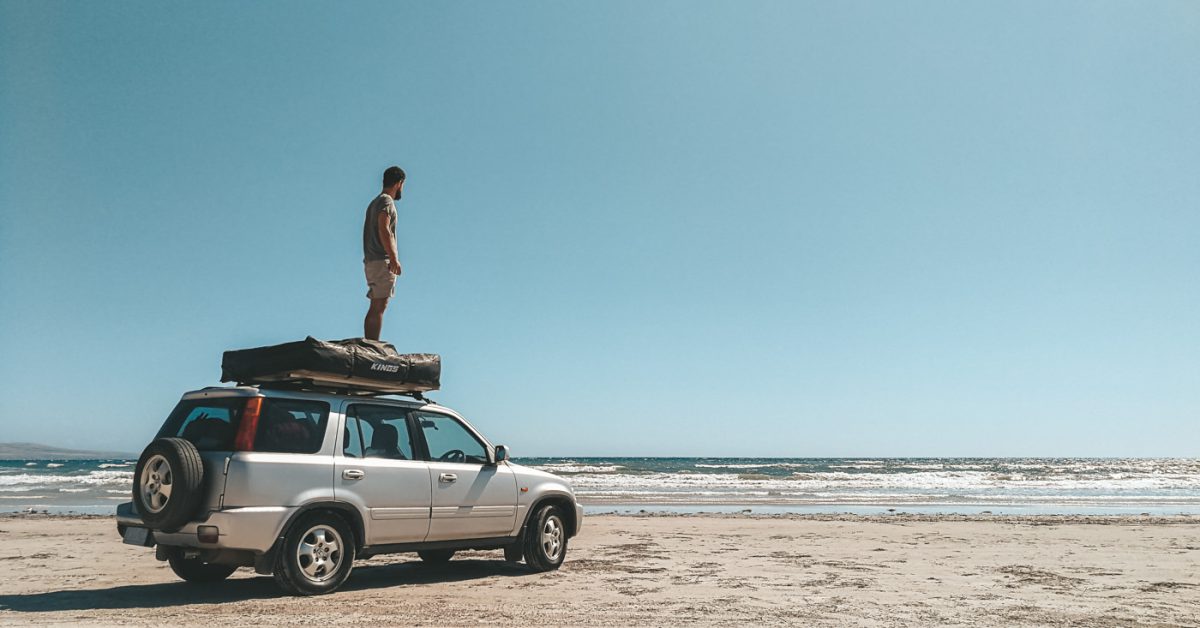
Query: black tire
[(176, 466), (197, 571), (514, 553), (436, 557), (328, 538), (545, 542)]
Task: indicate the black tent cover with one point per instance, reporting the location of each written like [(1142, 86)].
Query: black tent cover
[(354, 365)]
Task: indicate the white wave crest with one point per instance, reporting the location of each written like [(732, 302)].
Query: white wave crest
[(840, 486), (93, 478), (578, 468), (760, 465)]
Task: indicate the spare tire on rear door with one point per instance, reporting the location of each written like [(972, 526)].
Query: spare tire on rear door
[(168, 483)]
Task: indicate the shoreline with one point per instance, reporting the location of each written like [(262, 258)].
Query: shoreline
[(623, 486)]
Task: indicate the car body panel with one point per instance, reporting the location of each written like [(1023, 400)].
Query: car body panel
[(540, 485), (392, 495), (251, 529), (274, 479), (481, 502), (214, 470)]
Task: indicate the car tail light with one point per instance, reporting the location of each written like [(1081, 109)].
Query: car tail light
[(249, 425)]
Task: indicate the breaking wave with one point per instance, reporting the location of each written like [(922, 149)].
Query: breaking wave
[(894, 481)]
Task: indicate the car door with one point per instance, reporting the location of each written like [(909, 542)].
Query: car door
[(378, 471), (472, 499)]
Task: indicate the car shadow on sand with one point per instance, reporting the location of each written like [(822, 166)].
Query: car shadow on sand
[(237, 589)]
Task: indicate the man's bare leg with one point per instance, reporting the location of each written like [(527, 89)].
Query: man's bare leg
[(373, 323)]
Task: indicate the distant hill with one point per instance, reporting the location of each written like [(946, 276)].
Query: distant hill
[(34, 451)]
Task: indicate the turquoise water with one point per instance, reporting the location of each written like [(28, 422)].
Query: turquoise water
[(88, 486), (859, 485), (862, 485)]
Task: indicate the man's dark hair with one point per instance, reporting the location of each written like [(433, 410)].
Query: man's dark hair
[(392, 176)]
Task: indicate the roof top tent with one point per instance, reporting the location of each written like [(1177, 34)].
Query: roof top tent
[(354, 365)]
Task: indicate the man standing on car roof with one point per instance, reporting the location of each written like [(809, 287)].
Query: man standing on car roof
[(380, 259)]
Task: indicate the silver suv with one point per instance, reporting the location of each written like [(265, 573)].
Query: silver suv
[(299, 483)]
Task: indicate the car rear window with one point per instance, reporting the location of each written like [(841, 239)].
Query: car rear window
[(210, 424), (284, 425)]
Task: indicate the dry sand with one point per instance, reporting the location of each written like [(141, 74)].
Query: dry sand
[(662, 570)]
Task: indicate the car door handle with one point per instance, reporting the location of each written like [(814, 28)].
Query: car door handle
[(447, 477), (353, 474)]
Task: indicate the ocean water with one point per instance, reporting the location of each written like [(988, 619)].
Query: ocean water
[(875, 485), (764, 485), (86, 486)]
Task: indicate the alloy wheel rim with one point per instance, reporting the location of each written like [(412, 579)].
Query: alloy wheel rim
[(319, 553), (552, 537), (156, 483)]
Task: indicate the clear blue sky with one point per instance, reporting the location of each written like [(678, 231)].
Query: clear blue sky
[(664, 228)]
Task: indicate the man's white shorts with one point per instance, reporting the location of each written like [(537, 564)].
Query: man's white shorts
[(381, 283)]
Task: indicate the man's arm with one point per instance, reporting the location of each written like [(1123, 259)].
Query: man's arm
[(389, 242)]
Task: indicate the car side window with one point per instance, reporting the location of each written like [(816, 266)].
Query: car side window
[(449, 440), (351, 438), (293, 426), (383, 431)]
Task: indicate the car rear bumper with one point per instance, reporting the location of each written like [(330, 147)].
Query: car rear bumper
[(578, 518), (253, 529)]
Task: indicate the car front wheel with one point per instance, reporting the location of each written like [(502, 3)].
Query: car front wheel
[(545, 542), (316, 556)]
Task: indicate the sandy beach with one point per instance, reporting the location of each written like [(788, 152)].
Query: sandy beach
[(660, 570)]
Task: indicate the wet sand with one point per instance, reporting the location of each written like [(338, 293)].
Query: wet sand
[(662, 570)]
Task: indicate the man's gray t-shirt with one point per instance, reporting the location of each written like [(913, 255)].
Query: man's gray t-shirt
[(373, 248)]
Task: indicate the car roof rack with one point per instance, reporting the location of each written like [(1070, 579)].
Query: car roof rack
[(337, 389)]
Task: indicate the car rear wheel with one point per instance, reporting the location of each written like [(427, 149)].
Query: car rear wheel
[(168, 483), (316, 556), (545, 542), (197, 571), (436, 557)]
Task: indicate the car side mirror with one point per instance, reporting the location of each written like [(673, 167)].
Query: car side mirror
[(501, 454)]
